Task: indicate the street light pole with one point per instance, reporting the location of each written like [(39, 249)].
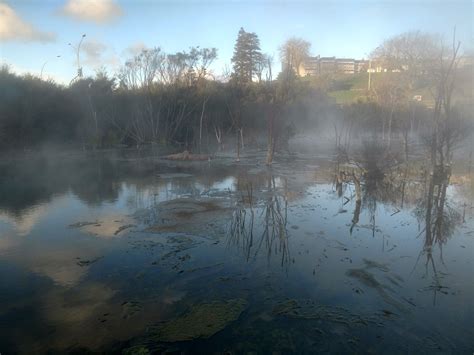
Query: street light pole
[(78, 49), (79, 68), (44, 64)]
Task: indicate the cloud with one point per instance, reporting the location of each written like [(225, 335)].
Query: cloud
[(24, 225), (98, 11), (93, 51), (135, 49), (13, 28), (96, 55)]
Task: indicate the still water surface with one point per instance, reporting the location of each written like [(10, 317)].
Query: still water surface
[(136, 255)]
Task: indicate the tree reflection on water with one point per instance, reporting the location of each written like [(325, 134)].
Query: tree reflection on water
[(271, 232), (440, 220), (377, 176)]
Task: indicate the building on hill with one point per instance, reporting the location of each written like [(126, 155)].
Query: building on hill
[(323, 65), (326, 65)]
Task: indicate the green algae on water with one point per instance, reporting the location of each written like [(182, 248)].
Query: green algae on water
[(201, 321), (136, 350)]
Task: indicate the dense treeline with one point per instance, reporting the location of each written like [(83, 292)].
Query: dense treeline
[(33, 111), (174, 100), (102, 112)]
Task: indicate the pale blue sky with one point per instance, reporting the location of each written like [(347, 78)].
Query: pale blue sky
[(341, 28)]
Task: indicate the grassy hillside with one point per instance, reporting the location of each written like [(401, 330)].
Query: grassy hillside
[(349, 88)]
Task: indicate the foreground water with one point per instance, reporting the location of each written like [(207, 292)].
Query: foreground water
[(138, 255)]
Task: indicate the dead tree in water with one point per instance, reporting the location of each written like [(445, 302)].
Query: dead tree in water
[(234, 105), (444, 131), (271, 112), (278, 97), (218, 133)]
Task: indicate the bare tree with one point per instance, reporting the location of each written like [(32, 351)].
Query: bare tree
[(391, 96), (446, 129), (161, 85), (410, 53), (140, 75), (293, 53), (279, 94), (142, 70)]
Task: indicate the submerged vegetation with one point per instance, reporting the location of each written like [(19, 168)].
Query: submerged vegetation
[(201, 321)]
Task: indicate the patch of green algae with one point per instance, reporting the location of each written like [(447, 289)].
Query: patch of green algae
[(201, 321), (136, 350)]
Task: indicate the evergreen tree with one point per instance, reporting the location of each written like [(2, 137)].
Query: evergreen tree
[(247, 56)]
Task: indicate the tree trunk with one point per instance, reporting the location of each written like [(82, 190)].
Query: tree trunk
[(271, 137), (218, 133), (200, 125), (405, 141), (383, 129), (238, 144), (390, 119)]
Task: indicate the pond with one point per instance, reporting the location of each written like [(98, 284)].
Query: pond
[(136, 255)]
